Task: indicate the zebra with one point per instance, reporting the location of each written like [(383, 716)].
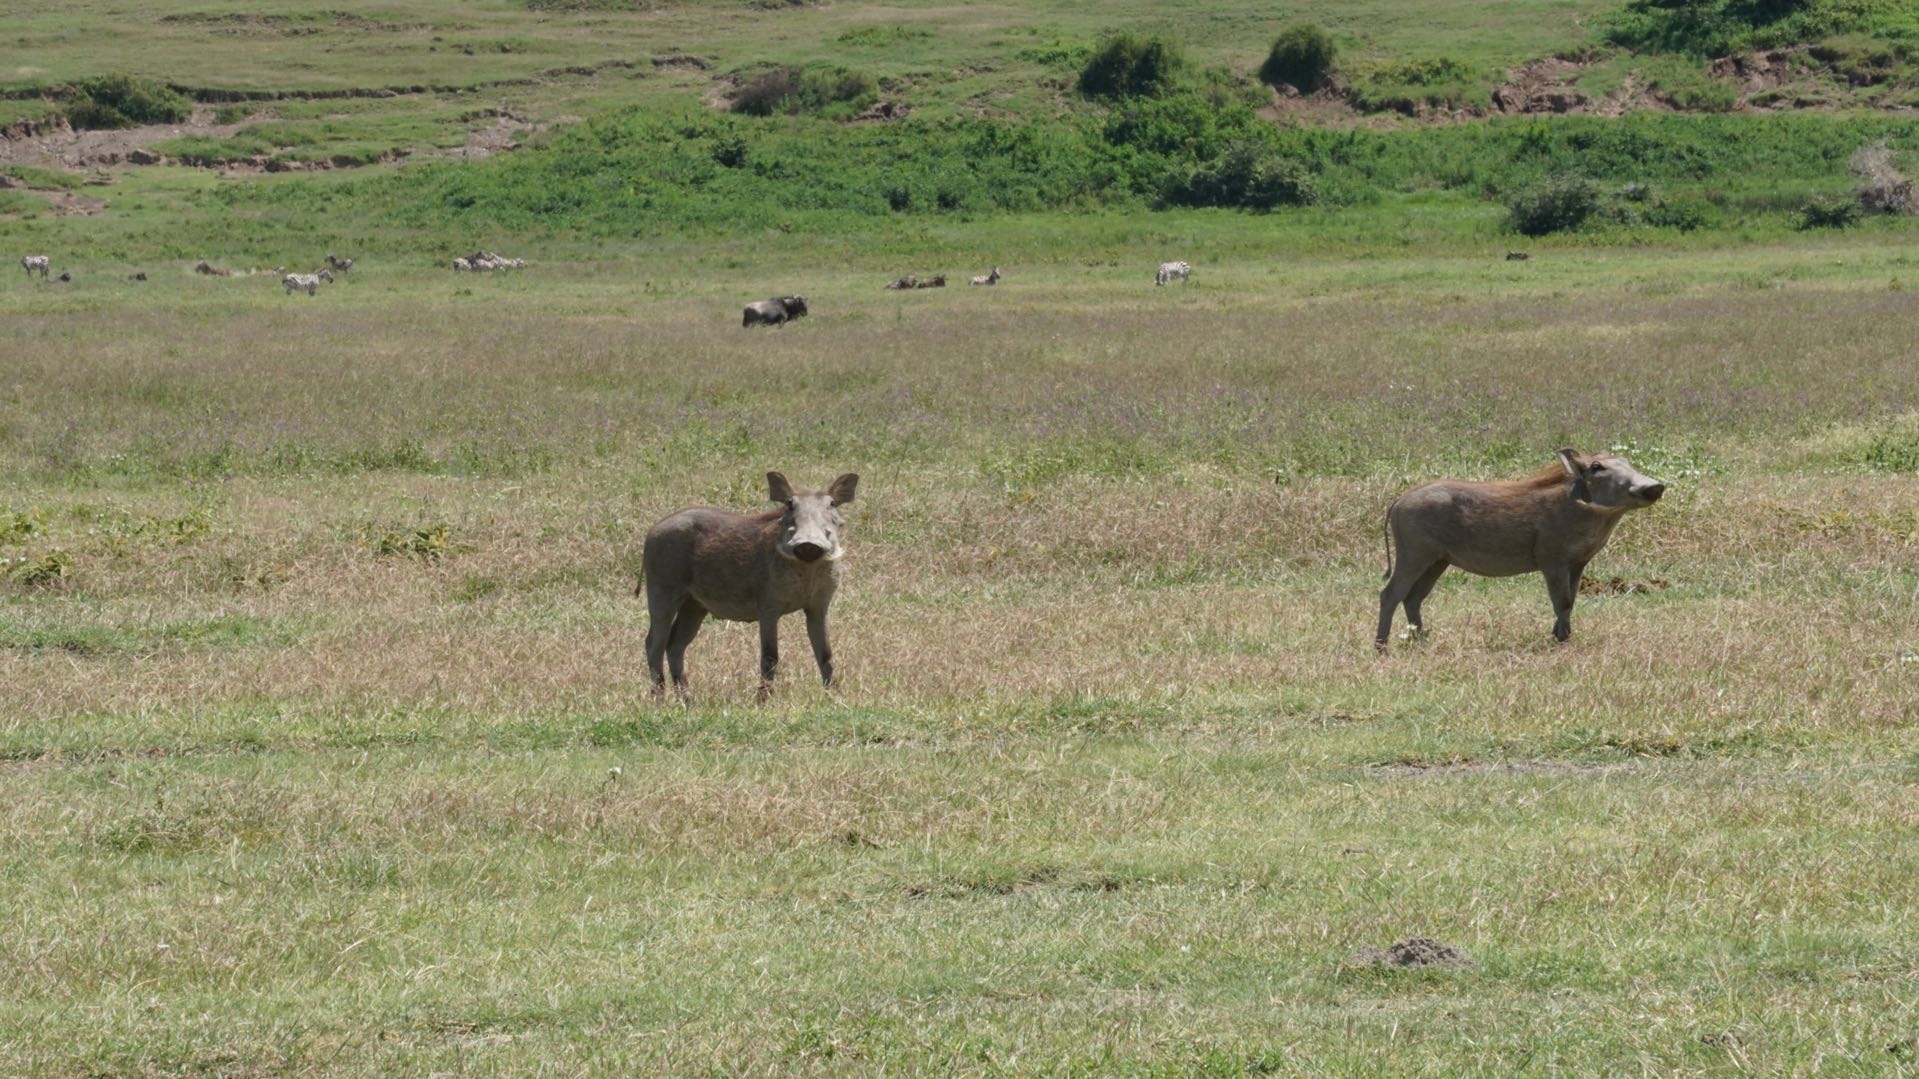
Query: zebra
[(463, 265), (989, 279), (308, 281), (1170, 270), (342, 265), (36, 262)]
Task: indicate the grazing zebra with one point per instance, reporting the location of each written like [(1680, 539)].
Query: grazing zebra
[(342, 265), (463, 265), (1170, 270), (308, 281), (36, 262), (989, 279)]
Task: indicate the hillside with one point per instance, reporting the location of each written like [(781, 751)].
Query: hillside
[(933, 109)]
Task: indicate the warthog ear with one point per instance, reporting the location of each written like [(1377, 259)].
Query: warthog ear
[(777, 489), (842, 489), (1569, 460)]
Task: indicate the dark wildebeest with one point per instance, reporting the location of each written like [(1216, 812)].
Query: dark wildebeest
[(744, 567), (909, 281), (1553, 521), (775, 311)]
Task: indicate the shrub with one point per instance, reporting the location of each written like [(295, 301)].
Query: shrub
[(1828, 214), (1686, 216), (1302, 57), (1127, 65), (1560, 204), (1883, 189), (823, 90), (113, 101), (1248, 176)]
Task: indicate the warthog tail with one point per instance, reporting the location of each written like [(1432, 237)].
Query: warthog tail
[(1386, 539), (639, 586)]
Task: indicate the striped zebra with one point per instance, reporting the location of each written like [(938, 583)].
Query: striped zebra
[(989, 279), (293, 282), (36, 262), (1170, 270)]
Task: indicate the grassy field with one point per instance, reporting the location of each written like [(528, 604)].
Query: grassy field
[(326, 743)]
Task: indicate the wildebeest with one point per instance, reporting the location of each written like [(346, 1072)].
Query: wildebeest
[(909, 281), (138, 276), (340, 264), (1517, 256), (775, 311), (744, 567), (936, 281), (1553, 521), (32, 263), (210, 270), (989, 279), (1169, 270), (293, 282)]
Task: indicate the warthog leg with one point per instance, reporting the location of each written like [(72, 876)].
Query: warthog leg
[(822, 650), (1562, 583), (1422, 588), (685, 627), (1411, 578), (769, 652)]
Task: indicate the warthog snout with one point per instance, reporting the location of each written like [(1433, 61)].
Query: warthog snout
[(808, 552), (1651, 491)]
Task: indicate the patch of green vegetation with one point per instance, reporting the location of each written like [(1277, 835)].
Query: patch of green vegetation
[(1413, 86), (1686, 81), (880, 35), (43, 179), (1707, 28), (1125, 65), (96, 639), (833, 93), (1303, 57), (122, 100)]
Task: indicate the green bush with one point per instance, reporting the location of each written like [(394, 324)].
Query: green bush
[(1410, 85), (1828, 214), (823, 91), (1128, 65), (1248, 176), (1302, 56), (1706, 28), (1563, 203), (114, 101)]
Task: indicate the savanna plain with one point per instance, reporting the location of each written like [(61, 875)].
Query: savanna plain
[(326, 741)]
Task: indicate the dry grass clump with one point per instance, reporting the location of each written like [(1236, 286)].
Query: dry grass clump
[(1883, 189)]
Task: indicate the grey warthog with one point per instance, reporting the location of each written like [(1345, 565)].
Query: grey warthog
[(775, 311), (744, 567), (1553, 521)]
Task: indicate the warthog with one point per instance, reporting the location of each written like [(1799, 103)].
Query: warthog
[(775, 311), (744, 567), (1553, 521)]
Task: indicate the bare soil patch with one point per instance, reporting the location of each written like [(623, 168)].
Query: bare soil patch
[(1414, 952), (57, 145), (1548, 86)]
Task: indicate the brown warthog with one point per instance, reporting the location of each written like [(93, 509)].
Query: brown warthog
[(1553, 521), (744, 567)]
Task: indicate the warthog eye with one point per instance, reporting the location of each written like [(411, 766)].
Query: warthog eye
[(1598, 467)]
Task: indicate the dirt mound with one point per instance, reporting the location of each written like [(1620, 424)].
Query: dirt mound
[(1619, 586), (1767, 69), (1414, 952), (1549, 86)]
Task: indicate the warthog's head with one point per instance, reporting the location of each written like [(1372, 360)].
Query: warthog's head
[(795, 305), (1608, 481), (810, 528)]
